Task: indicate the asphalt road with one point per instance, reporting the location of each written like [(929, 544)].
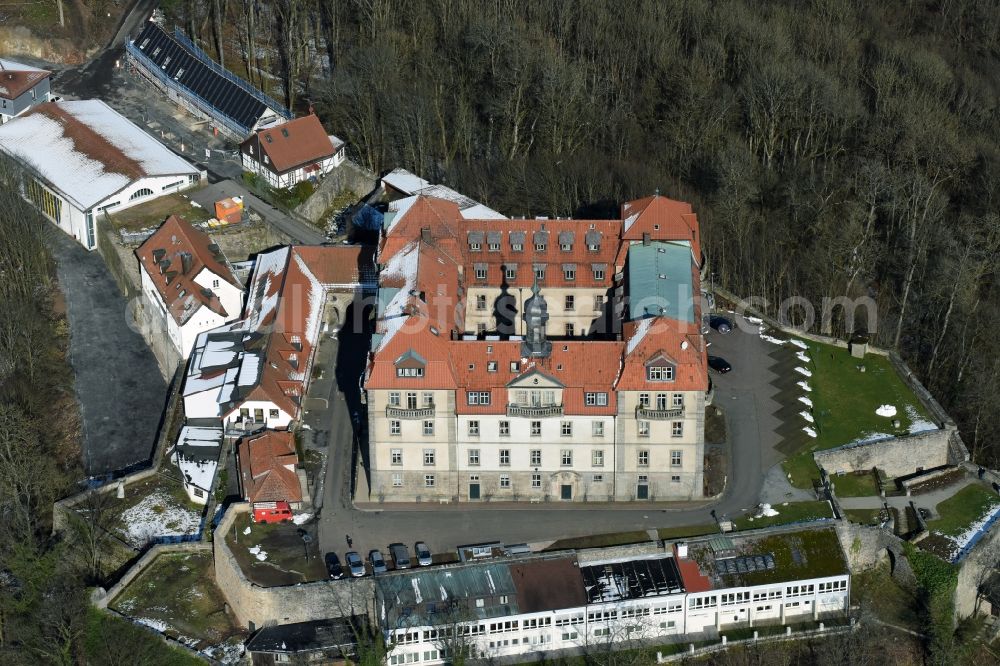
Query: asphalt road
[(745, 394), (118, 384), (299, 231)]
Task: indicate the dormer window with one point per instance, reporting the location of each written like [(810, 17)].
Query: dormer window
[(540, 272), (569, 272), (600, 270), (494, 247), (476, 241), (517, 247), (410, 364), (475, 247), (409, 372), (594, 247), (480, 271), (566, 240), (660, 373), (539, 247)]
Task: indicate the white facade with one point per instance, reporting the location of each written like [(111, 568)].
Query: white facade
[(290, 178), (183, 336), (602, 624)]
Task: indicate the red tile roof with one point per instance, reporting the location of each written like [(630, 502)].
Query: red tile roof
[(426, 255), (663, 219), (267, 467), (173, 257), (691, 576), (291, 145), (16, 82)]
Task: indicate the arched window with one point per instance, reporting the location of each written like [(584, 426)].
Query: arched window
[(138, 194)]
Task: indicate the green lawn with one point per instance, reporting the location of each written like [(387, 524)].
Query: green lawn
[(285, 562), (110, 639), (875, 590), (787, 513), (179, 591), (863, 516), (855, 485), (844, 404), (667, 533), (601, 540), (962, 509)]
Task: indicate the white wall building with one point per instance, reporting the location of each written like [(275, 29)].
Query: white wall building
[(592, 601), (290, 152), (188, 281), (196, 454), (83, 158)]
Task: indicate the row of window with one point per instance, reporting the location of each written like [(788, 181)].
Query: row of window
[(536, 398), (565, 428), (504, 482), (535, 457), (476, 246), (654, 373), (510, 272), (569, 304)]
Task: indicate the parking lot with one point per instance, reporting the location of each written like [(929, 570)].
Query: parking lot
[(747, 394)]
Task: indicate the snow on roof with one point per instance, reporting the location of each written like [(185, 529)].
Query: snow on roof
[(198, 474), (200, 436), (640, 332), (86, 150), (397, 209), (315, 300), (403, 266), (481, 212), (12, 64), (249, 369), (263, 296), (404, 181)]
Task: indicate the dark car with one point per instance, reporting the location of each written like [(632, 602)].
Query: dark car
[(333, 566), (719, 364), (400, 555), (720, 324)]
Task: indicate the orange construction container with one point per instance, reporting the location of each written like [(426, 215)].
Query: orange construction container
[(229, 210)]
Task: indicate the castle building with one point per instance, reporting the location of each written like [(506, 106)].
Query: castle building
[(536, 360)]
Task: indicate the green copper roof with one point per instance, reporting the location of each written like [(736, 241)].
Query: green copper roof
[(660, 280)]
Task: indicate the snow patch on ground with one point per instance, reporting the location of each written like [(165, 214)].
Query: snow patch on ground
[(806, 401), (917, 422), (301, 518), (153, 623), (257, 552), (247, 530), (963, 539), (159, 515), (805, 386), (802, 356), (803, 371), (809, 431), (754, 320), (774, 341), (886, 410), (799, 344), (230, 652), (807, 416)]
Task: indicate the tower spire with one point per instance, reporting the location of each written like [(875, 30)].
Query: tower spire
[(536, 313)]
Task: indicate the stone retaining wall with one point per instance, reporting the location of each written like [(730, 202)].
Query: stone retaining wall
[(348, 177), (102, 601), (897, 456), (255, 606)]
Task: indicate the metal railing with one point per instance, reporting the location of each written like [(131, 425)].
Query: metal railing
[(150, 69), (524, 410), (658, 414), (409, 413), (257, 94)]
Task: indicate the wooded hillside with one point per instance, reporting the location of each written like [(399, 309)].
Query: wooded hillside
[(830, 148)]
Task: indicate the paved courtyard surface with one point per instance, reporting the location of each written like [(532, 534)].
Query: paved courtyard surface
[(746, 394), (118, 385)]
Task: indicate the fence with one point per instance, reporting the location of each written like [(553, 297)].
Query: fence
[(787, 635)]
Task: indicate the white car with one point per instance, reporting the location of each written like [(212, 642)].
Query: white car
[(423, 553)]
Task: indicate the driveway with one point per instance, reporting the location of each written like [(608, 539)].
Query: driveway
[(118, 384), (746, 394)]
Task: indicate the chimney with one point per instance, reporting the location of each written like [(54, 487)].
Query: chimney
[(425, 234), (682, 550), (645, 238)]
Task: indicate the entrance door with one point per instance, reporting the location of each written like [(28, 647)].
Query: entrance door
[(566, 491), (642, 492), (474, 491)]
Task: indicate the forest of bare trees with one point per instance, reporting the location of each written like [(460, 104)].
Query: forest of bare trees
[(831, 148)]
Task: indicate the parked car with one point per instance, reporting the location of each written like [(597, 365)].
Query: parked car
[(333, 566), (355, 564), (720, 324), (377, 562), (423, 554), (719, 364), (400, 555)]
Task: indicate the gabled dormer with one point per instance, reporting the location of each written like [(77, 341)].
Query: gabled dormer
[(660, 368), (410, 365)]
